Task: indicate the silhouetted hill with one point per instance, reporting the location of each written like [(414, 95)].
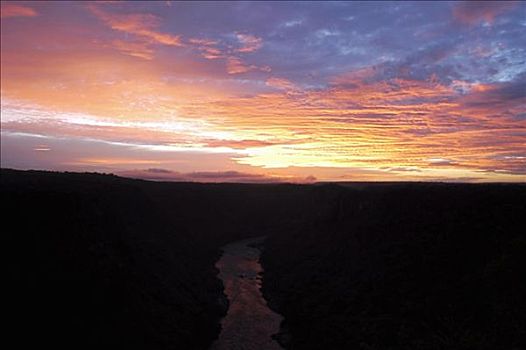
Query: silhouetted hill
[(99, 261), (407, 266), (92, 264)]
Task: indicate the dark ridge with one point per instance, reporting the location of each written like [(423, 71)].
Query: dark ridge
[(406, 266), (99, 261)]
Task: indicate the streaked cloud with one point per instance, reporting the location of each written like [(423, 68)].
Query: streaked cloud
[(216, 176), (42, 148), (159, 174), (138, 48), (13, 9), (268, 91), (143, 25), (281, 83)]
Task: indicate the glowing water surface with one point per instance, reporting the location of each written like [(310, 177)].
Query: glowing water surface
[(249, 323)]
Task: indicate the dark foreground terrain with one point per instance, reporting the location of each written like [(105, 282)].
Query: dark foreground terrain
[(408, 266), (98, 261)]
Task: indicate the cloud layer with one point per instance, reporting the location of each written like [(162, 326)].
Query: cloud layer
[(284, 91)]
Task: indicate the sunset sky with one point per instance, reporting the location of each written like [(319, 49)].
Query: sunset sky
[(266, 91)]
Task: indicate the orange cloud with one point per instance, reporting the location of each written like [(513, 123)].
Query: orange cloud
[(393, 125), (13, 10), (104, 83), (239, 144), (143, 26), (396, 128), (358, 127), (136, 49)]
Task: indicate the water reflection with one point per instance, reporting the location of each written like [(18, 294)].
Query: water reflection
[(249, 323)]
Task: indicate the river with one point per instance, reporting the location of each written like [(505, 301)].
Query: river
[(249, 323)]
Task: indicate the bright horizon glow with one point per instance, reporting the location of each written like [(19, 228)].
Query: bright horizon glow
[(266, 92)]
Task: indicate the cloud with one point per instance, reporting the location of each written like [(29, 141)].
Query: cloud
[(324, 33), (399, 124), (427, 90), (292, 23), (428, 63), (497, 97), (42, 148), (355, 122), (250, 43), (12, 10), (238, 144), (441, 162), (203, 42), (280, 83), (207, 47), (143, 26), (211, 53), (235, 65), (474, 12), (403, 169), (158, 171), (229, 176), (134, 48), (214, 49), (200, 176)]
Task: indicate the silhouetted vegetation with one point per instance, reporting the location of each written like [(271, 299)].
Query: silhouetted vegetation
[(98, 261), (407, 266)]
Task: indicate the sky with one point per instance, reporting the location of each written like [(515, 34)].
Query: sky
[(266, 91)]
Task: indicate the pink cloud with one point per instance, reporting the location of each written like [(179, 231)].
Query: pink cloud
[(211, 49), (235, 65), (144, 26), (280, 83), (230, 176), (207, 47), (160, 174), (473, 12), (12, 10), (211, 53), (250, 43)]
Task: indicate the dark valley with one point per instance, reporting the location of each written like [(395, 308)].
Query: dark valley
[(99, 261)]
